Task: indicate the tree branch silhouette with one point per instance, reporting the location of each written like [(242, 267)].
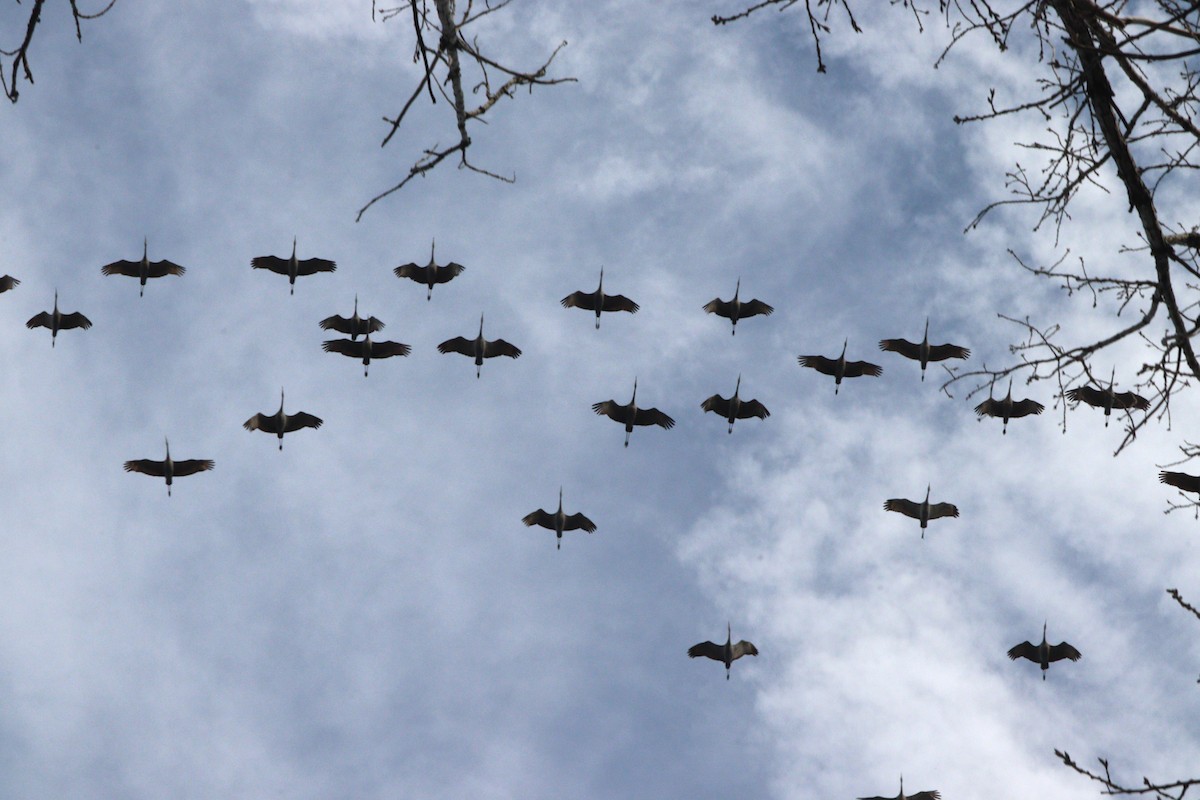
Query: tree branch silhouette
[(20, 56)]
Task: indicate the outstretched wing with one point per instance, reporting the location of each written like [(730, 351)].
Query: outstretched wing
[(754, 308), (336, 323), (147, 466), (753, 408), (1180, 480), (302, 420), (130, 268), (539, 517), (1023, 408), (448, 272), (619, 302), (826, 366), (1024, 650), (190, 466), (1063, 650), (744, 648), (707, 649), (990, 407), (160, 269), (389, 349), (42, 320), (931, 795), (940, 352), (719, 307), (273, 263), (458, 345), (7, 282), (906, 507), (74, 320), (717, 404), (613, 410), (856, 369), (499, 347), (345, 347), (1087, 394), (311, 266), (1125, 400), (261, 422), (584, 300), (902, 346), (373, 324), (575, 522), (652, 416), (414, 271), (938, 510)]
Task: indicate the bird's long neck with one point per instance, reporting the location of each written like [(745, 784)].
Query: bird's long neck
[(842, 357), (560, 511), (293, 249), (737, 387), (480, 338), (281, 402), (633, 400), (145, 250), (600, 288)]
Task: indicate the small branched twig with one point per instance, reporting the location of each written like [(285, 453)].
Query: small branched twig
[(20, 56)]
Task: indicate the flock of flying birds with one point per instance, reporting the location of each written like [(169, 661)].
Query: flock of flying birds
[(629, 414)]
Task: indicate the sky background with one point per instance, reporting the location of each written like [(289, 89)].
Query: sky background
[(364, 615)]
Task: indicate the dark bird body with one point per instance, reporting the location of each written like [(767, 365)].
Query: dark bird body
[(630, 415), (735, 408), (735, 309), (143, 269), (1008, 408), (923, 511), (366, 349), (1180, 480), (1044, 653), (924, 352), (726, 653), (280, 423), (1108, 399), (559, 521), (293, 267), (598, 301), (840, 368), (169, 468), (57, 321), (431, 273), (7, 283), (354, 325), (479, 348), (926, 795)]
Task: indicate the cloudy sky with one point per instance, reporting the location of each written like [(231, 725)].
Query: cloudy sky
[(364, 615)]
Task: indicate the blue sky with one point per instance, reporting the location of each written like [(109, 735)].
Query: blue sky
[(364, 615)]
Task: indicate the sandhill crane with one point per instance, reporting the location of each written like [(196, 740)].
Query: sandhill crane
[(57, 321), (735, 309), (366, 349), (293, 267), (559, 521), (1180, 480), (1008, 408), (840, 368), (924, 352), (169, 468), (280, 423), (630, 415), (354, 325), (924, 511), (1107, 398), (926, 795), (1044, 653), (7, 283), (727, 653), (735, 408), (599, 301), (479, 348), (431, 273), (143, 269)]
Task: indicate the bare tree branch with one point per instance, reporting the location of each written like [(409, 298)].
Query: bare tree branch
[(20, 56)]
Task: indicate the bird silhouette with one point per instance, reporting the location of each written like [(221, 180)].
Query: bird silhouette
[(280, 423), (8, 282), (366, 349), (1044, 653), (479, 348), (735, 309), (726, 653), (1107, 398), (735, 408), (431, 273), (924, 352), (923, 511), (143, 269), (354, 325), (630, 415), (927, 795), (57, 321), (598, 301), (169, 468), (840, 368), (559, 521), (292, 267), (1008, 408)]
